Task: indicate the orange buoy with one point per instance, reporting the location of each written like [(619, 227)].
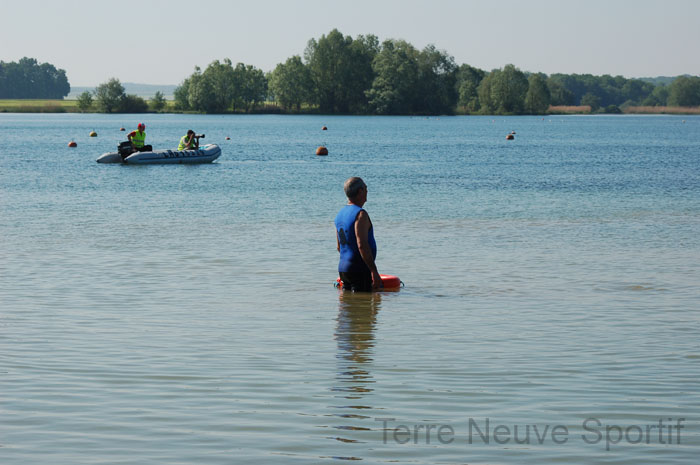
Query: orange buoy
[(122, 129), (322, 151), (228, 138), (93, 134), (389, 282), (510, 137), (324, 128), (72, 144)]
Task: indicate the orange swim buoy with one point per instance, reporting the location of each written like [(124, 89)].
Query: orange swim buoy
[(72, 144), (324, 128), (322, 151), (389, 282), (122, 129), (510, 137), (228, 138)]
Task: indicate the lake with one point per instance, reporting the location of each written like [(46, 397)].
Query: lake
[(187, 314)]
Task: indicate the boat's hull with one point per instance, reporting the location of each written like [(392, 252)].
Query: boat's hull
[(206, 154)]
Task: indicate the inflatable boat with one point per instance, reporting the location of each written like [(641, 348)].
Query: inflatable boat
[(205, 154)]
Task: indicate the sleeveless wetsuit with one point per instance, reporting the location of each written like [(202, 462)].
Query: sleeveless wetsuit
[(352, 268)]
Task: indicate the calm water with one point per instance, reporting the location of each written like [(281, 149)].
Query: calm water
[(186, 314)]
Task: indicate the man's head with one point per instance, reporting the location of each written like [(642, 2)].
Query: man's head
[(190, 132), (355, 188), (141, 127)]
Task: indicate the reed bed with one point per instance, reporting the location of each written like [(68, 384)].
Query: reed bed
[(665, 110), (569, 109)]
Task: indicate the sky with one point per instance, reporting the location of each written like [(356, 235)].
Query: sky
[(160, 42)]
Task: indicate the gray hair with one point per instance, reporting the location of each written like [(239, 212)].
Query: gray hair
[(352, 187)]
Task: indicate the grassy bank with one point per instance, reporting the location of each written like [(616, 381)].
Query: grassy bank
[(71, 106), (51, 106), (38, 106)]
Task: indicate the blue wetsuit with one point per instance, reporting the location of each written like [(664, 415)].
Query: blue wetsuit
[(353, 270)]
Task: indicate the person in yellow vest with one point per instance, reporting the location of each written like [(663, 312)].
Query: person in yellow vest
[(189, 141), (138, 139)]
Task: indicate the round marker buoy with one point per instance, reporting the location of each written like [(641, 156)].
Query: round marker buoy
[(93, 134), (322, 151), (324, 128), (228, 138), (72, 144), (122, 129), (510, 137)]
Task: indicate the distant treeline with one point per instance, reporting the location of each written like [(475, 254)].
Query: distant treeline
[(339, 74), (342, 75), (30, 79)]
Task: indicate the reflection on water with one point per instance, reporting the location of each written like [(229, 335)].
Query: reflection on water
[(357, 318)]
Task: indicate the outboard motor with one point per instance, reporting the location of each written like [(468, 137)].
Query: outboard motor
[(125, 149)]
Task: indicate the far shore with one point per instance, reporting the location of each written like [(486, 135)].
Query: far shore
[(71, 106)]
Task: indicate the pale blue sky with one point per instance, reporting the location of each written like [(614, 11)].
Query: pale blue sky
[(160, 42)]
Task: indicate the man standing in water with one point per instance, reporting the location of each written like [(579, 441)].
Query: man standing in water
[(355, 239)]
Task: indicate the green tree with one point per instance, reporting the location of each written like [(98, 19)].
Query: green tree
[(132, 104), (211, 91), (200, 94), (238, 81), (658, 97), (360, 72), (397, 78), (636, 90), (508, 89), (438, 78), (341, 71), (221, 88), (484, 92), (158, 101), (218, 81), (591, 100), (468, 80), (290, 83), (85, 101), (181, 96), (569, 89), (252, 87), (684, 91), (28, 78), (559, 94), (109, 95), (325, 59), (537, 97)]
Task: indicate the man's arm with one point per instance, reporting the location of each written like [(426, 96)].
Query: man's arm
[(362, 225)]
